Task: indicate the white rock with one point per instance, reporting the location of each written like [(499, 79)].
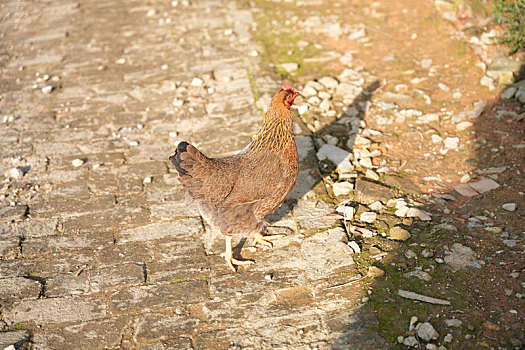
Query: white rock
[(401, 212), (347, 90), (147, 180), (428, 118), (47, 89), (324, 95), (465, 178), (412, 325), (120, 61), (302, 109), (134, 143), (443, 87), (463, 126), (290, 67), (254, 53), (376, 206), (365, 162), (436, 138), (308, 91), (431, 346), (325, 105), (488, 82), (77, 162), (368, 216), (426, 63), (399, 203), (478, 108), (348, 212), (332, 153), (509, 206), (331, 140), (14, 173), (453, 323), (451, 142), (197, 82), (361, 141), (342, 188), (358, 34), (355, 247), (371, 174), (410, 341), (329, 82), (421, 214), (314, 101), (448, 338), (426, 332), (177, 103), (509, 93)]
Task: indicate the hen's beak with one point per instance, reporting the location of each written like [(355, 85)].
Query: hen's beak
[(297, 93)]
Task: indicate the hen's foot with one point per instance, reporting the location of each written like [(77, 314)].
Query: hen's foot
[(230, 261), (265, 240)]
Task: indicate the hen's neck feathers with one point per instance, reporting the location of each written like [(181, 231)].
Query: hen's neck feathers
[(277, 129)]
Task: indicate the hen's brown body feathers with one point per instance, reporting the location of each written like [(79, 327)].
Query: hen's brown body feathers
[(235, 193)]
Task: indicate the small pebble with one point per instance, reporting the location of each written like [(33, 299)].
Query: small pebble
[(355, 247), (196, 82), (509, 206), (147, 180), (47, 89), (77, 162), (120, 61), (269, 277)]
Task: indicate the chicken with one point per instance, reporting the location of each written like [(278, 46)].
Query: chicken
[(235, 193)]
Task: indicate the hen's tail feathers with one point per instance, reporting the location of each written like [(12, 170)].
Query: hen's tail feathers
[(189, 163), (176, 160)]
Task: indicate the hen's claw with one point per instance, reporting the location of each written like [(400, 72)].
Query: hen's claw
[(265, 240), (230, 261)]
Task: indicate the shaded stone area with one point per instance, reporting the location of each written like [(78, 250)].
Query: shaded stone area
[(97, 248)]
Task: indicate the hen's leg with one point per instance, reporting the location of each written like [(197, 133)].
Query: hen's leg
[(265, 240), (230, 261)]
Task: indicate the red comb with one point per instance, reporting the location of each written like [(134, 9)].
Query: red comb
[(287, 87)]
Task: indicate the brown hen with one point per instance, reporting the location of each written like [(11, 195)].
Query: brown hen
[(235, 193)]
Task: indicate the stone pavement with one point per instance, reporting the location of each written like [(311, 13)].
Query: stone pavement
[(97, 248)]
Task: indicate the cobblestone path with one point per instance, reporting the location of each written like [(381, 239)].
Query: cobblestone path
[(98, 249)]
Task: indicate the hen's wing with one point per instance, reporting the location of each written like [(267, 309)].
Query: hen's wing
[(266, 178), (206, 179), (235, 180)]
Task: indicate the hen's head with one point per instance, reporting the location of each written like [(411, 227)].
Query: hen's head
[(289, 94)]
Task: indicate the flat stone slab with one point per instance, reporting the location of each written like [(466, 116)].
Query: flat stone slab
[(16, 338), (19, 288), (484, 185), (153, 297), (312, 214), (325, 253), (367, 192), (55, 310), (181, 227), (105, 333)]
